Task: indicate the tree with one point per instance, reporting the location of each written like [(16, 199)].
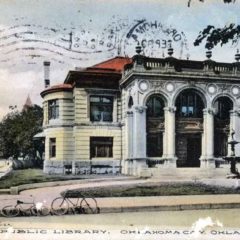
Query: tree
[(225, 1), (215, 36), (17, 130)]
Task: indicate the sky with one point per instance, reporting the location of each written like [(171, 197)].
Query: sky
[(79, 33)]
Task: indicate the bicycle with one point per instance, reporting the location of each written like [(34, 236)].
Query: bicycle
[(62, 205), (35, 209)]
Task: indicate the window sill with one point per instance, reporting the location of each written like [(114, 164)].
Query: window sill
[(102, 158), (101, 121), (104, 123)]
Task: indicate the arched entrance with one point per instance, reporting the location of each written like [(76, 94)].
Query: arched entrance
[(189, 119), (223, 106), (155, 125)]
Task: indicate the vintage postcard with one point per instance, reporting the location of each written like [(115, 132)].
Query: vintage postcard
[(119, 119)]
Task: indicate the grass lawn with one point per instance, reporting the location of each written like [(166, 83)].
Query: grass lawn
[(26, 176), (171, 189)]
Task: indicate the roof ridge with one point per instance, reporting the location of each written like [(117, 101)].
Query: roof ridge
[(109, 60)]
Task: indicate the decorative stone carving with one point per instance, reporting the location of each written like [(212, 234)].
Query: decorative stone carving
[(210, 111), (157, 84), (212, 89), (143, 85), (190, 124), (129, 112), (140, 109), (191, 83), (170, 109), (223, 87), (235, 90), (170, 87)]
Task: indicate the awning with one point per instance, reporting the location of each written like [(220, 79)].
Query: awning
[(40, 135)]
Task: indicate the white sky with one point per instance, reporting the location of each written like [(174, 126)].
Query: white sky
[(34, 31)]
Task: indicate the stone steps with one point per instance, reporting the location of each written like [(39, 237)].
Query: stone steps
[(188, 173)]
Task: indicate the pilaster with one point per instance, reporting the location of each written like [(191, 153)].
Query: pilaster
[(129, 133), (139, 132), (128, 142), (234, 125), (169, 136), (207, 158)]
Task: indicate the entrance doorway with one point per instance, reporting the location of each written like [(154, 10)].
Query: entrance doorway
[(223, 106), (155, 126), (189, 150), (189, 127)]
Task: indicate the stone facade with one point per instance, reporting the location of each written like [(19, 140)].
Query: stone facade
[(165, 113)]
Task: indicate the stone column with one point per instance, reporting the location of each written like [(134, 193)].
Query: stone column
[(203, 152), (170, 136), (73, 167), (207, 160), (129, 133), (139, 132), (128, 142), (139, 139), (234, 125)]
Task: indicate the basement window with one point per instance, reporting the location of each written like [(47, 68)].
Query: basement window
[(101, 147)]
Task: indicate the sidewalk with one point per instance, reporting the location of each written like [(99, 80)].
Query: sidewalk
[(129, 204), (168, 203)]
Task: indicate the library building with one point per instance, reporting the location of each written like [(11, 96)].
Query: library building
[(142, 115)]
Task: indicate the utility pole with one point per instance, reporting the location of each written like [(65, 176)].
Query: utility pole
[(70, 40)]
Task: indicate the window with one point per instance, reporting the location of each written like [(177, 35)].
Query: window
[(154, 144), (223, 106), (189, 105), (101, 108), (101, 147), (53, 109), (52, 147), (155, 107), (130, 102)]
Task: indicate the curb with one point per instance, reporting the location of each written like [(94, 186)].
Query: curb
[(17, 189), (170, 208)]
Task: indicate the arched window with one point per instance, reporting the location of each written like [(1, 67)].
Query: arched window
[(223, 105), (155, 106), (189, 104), (155, 122), (130, 102)]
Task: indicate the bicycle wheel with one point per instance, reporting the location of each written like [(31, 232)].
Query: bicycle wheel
[(34, 211), (43, 211), (10, 211), (25, 212), (89, 205), (59, 206)]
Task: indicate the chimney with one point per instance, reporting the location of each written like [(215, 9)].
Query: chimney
[(46, 66)]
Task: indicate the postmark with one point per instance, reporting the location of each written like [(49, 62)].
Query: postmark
[(25, 43)]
